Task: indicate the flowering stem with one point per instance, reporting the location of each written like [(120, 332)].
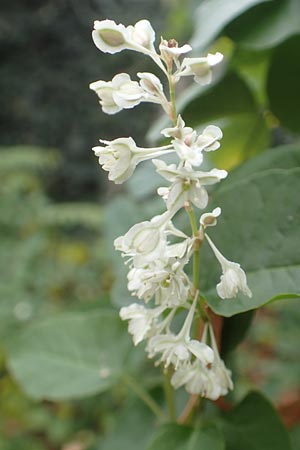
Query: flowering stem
[(172, 97), (144, 396), (169, 394), (196, 255)]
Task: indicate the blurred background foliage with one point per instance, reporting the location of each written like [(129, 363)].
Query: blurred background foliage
[(59, 215)]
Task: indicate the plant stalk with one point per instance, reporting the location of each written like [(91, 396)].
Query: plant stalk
[(144, 396)]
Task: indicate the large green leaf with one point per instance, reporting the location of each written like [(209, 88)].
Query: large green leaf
[(254, 425), (213, 15), (266, 25), (132, 429), (176, 437), (259, 228), (73, 355), (283, 157), (234, 330), (283, 85), (252, 67), (230, 105)]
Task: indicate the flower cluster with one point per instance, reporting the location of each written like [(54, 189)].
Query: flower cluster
[(157, 252)]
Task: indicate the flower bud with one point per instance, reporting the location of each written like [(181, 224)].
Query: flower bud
[(109, 37), (201, 68)]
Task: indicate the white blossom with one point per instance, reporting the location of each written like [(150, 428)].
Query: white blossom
[(121, 156), (112, 38), (171, 47), (121, 92), (210, 219), (190, 149), (180, 131), (157, 251), (208, 380), (233, 278), (171, 52), (166, 281), (201, 68), (187, 184), (179, 349), (153, 90), (145, 241), (141, 320)]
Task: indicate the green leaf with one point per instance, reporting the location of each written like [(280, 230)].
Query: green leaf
[(176, 437), (266, 25), (259, 228), (234, 330), (230, 105), (213, 15), (283, 157), (295, 437), (133, 428), (171, 437), (252, 67), (207, 438), (70, 356), (254, 425), (283, 85)]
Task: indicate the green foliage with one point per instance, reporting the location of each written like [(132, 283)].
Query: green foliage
[(234, 330), (267, 25), (175, 437), (51, 260), (211, 18), (58, 335), (259, 235), (69, 356), (254, 424), (132, 429), (283, 82)]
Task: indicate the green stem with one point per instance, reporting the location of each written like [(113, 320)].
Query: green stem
[(169, 393), (196, 260), (196, 254), (144, 396), (172, 98)]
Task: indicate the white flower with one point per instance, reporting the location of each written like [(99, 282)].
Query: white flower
[(165, 280), (121, 156), (233, 278), (140, 319), (210, 219), (153, 89), (121, 92), (201, 68), (180, 131), (179, 349), (171, 47), (112, 38), (209, 139), (187, 184), (170, 53), (190, 149), (145, 241), (189, 145), (142, 35), (210, 381)]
